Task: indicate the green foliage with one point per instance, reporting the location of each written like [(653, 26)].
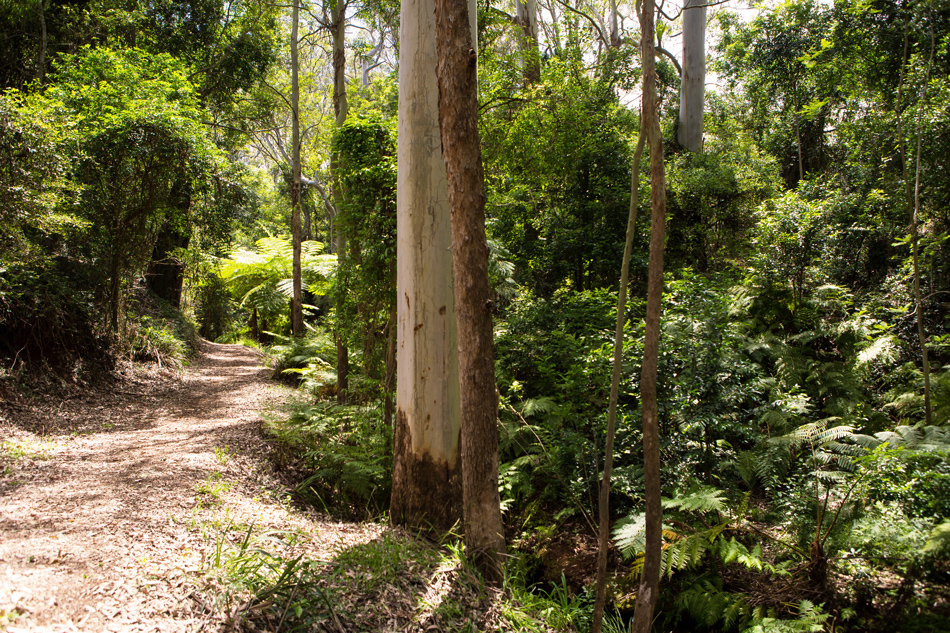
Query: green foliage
[(262, 279), (316, 350), (557, 175), (938, 542), (156, 343), (342, 455), (33, 183), (687, 546), (365, 284), (214, 309), (47, 325), (710, 194)]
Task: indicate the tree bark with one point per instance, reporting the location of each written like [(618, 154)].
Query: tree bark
[(526, 16), (165, 275), (427, 469), (340, 110), (615, 41), (693, 79), (296, 303), (604, 501), (458, 121), (648, 590)]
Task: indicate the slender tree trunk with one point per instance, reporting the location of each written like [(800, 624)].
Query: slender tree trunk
[(921, 329), (296, 303), (614, 25), (693, 80), (913, 204), (115, 290), (648, 590), (390, 378), (604, 501), (458, 119), (340, 110), (427, 469), (41, 53)]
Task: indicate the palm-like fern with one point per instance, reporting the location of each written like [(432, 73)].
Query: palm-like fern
[(263, 277)]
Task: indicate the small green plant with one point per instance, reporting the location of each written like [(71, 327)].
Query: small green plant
[(154, 341), (222, 455), (343, 455), (26, 448), (213, 487)]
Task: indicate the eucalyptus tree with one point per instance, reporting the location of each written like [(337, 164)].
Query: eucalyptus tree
[(296, 301), (427, 469), (526, 17), (456, 44), (693, 76)]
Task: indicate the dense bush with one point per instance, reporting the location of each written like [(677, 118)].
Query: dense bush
[(45, 324)]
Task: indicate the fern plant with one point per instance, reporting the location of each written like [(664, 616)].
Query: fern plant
[(262, 278), (341, 456), (685, 545)]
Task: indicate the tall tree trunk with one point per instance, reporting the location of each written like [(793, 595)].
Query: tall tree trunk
[(921, 329), (296, 303), (458, 120), (526, 16), (604, 500), (693, 80), (427, 469), (340, 110), (648, 590)]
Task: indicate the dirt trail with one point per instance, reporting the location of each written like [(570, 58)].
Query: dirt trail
[(98, 511)]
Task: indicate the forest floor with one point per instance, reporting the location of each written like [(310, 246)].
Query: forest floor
[(118, 508)]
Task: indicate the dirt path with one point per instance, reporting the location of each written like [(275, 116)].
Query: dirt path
[(104, 502)]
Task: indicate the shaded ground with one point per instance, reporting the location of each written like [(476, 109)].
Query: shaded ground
[(105, 499)]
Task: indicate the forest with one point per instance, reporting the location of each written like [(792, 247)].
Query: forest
[(268, 174)]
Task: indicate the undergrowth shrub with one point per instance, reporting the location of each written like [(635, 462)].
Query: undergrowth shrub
[(309, 359), (214, 307), (153, 341), (160, 332), (46, 324), (340, 457)]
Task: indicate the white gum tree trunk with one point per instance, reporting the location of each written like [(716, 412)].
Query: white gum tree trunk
[(427, 475), (527, 18), (693, 82)]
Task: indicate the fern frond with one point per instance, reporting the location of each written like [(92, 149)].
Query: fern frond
[(630, 534), (704, 499), (543, 404), (938, 543)]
